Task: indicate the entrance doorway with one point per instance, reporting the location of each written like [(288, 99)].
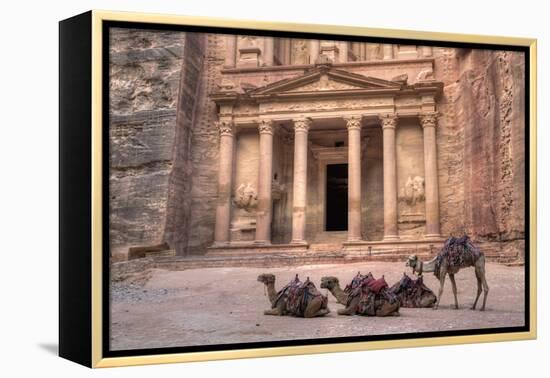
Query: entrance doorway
[(337, 198)]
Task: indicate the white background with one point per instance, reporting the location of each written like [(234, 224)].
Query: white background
[(29, 190)]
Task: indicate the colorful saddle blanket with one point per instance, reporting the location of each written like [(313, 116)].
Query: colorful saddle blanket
[(410, 292), (297, 296), (373, 294), (458, 252)]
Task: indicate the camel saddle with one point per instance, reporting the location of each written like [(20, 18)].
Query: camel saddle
[(356, 283), (410, 291), (298, 295), (373, 292), (376, 286), (459, 252)]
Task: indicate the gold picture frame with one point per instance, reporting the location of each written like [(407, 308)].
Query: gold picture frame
[(86, 273)]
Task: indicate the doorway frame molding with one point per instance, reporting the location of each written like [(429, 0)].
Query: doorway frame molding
[(324, 157)]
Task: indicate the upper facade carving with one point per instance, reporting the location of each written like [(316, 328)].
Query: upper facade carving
[(329, 83)]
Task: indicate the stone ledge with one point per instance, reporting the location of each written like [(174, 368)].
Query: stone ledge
[(279, 255), (302, 67), (248, 249)]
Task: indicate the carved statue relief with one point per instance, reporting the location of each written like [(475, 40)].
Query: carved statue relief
[(300, 51), (412, 198), (324, 84), (246, 197), (248, 41), (373, 51), (414, 190)]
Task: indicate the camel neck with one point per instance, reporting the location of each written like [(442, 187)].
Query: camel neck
[(428, 266), (339, 294), (271, 292)]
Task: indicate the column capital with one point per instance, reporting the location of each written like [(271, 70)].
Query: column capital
[(302, 124), (353, 122), (265, 126), (389, 120), (428, 119), (226, 128)]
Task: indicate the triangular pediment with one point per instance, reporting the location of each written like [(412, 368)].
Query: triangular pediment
[(323, 80)]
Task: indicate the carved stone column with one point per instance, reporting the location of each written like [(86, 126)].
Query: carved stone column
[(225, 175), (314, 48), (343, 52), (429, 123), (299, 199), (354, 178), (285, 51), (230, 51), (264, 208), (269, 50), (387, 52), (389, 122)]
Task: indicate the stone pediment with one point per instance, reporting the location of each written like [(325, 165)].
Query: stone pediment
[(324, 84), (325, 80)]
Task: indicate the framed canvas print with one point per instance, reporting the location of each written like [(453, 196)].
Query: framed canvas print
[(234, 189)]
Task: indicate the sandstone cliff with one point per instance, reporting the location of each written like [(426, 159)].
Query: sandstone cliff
[(481, 145), (145, 79)]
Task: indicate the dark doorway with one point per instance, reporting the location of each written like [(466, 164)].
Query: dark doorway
[(337, 197)]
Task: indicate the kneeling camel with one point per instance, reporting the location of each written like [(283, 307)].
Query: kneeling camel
[(296, 298)]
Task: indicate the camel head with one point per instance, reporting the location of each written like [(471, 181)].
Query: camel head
[(329, 282), (412, 261), (266, 278)]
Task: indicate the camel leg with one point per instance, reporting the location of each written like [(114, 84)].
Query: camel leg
[(485, 286), (313, 308), (478, 277), (346, 311), (428, 301), (442, 274), (279, 310), (388, 309), (453, 284), (273, 311), (351, 309), (323, 312)]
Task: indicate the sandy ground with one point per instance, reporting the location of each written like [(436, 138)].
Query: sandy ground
[(225, 305)]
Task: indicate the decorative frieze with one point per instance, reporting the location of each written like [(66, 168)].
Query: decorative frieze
[(325, 105)]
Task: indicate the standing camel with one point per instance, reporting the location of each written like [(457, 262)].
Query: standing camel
[(456, 253)]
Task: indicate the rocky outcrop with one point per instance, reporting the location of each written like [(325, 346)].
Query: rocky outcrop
[(204, 153), (178, 212), (145, 78), (481, 145)]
